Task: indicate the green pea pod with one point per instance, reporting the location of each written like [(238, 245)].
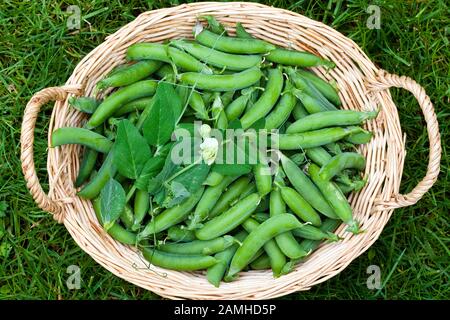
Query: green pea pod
[(197, 104), (261, 216), (127, 217), (297, 58), (129, 74), (231, 194), (360, 136), (117, 99), (141, 206), (267, 100), (213, 179), (94, 186), (313, 233), (257, 238), (205, 247), (85, 137), (306, 188), (227, 82), (84, 104), (263, 178), (176, 261), (135, 105), (166, 72), (299, 111), (218, 59), (179, 234), (218, 114), (282, 110), (214, 25), (335, 198), (311, 139), (318, 155), (286, 241), (230, 219), (262, 263), (116, 231), (329, 225), (300, 206), (231, 44), (216, 272), (171, 216), (340, 162), (207, 202), (323, 86), (235, 109), (86, 167)]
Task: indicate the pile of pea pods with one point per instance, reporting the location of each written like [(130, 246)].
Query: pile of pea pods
[(203, 216)]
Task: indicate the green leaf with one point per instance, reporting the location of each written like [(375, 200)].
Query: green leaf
[(113, 200), (193, 178), (160, 123), (5, 249), (176, 193), (156, 184), (131, 150), (232, 169), (151, 168)]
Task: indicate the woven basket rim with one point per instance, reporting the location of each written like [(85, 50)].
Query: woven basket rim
[(363, 86)]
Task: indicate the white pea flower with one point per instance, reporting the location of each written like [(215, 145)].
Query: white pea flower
[(208, 149), (205, 131)]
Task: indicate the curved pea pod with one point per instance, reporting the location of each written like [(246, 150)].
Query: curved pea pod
[(335, 198), (116, 231), (229, 196), (86, 167), (180, 234), (127, 217), (228, 220), (297, 58), (141, 206), (171, 216), (207, 202), (227, 82), (257, 238), (84, 104), (299, 111), (323, 86), (217, 58), (218, 113), (129, 74), (215, 273), (313, 233), (133, 106), (263, 178), (231, 44), (329, 225), (176, 261), (205, 247), (122, 96), (198, 105), (340, 162), (235, 109), (330, 119), (282, 110), (266, 101), (306, 188), (318, 155), (94, 186), (286, 241), (166, 72), (260, 216), (85, 137), (270, 247), (148, 51), (358, 136), (300, 206), (249, 189), (187, 62), (311, 139)]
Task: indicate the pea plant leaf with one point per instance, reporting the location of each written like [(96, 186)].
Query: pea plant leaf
[(175, 194), (156, 184), (161, 121), (131, 150), (151, 168), (112, 201)]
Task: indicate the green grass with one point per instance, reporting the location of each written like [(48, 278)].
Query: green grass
[(37, 51)]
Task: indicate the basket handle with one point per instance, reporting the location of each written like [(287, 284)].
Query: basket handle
[(385, 81), (26, 145)]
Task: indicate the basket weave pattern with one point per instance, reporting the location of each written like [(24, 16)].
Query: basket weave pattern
[(362, 87)]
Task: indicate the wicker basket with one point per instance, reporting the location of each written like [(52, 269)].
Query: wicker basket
[(362, 86)]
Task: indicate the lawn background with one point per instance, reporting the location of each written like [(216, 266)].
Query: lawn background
[(37, 51)]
